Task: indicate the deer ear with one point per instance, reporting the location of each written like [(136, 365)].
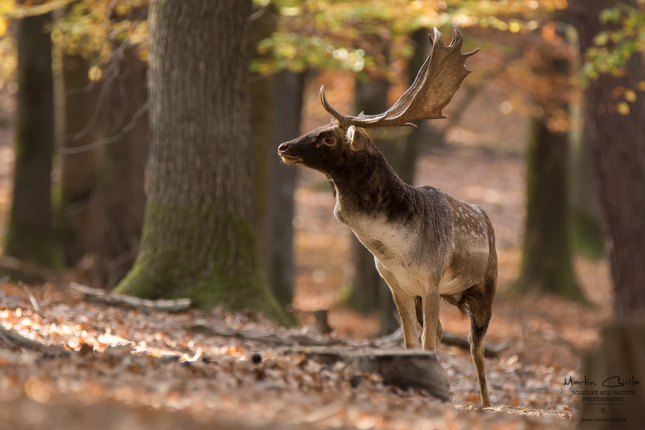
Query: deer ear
[(357, 140)]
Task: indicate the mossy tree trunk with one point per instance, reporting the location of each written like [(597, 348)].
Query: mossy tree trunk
[(287, 108), (619, 160), (76, 206), (30, 234), (199, 239), (588, 236), (261, 90), (546, 252), (121, 191)]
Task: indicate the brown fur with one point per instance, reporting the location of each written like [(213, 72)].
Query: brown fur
[(426, 244)]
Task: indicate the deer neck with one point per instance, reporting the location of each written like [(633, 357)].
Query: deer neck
[(367, 188)]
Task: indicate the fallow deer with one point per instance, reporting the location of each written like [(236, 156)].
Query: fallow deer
[(427, 245)]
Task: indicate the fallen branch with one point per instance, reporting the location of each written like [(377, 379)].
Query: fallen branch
[(269, 338), (14, 339), (97, 295), (450, 339), (25, 270), (402, 368)]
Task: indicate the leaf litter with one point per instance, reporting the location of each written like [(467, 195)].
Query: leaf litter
[(134, 361)]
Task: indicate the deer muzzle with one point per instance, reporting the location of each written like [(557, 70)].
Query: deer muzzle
[(284, 152)]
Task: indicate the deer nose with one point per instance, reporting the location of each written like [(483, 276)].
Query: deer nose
[(283, 148)]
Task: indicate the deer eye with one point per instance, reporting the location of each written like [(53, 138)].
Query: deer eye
[(329, 141)]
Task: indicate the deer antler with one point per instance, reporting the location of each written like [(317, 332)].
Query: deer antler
[(437, 81)]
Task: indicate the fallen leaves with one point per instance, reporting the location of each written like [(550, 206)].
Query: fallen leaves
[(132, 358)]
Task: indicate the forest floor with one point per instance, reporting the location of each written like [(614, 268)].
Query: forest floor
[(117, 368)]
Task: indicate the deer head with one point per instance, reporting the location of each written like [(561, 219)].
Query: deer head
[(437, 81)]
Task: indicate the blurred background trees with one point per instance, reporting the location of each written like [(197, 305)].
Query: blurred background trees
[(100, 54), (30, 231)]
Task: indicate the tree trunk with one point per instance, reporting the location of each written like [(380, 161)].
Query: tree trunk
[(77, 203), (366, 289), (546, 253), (30, 235), (617, 368), (406, 168), (121, 195), (261, 90), (619, 159), (588, 237), (287, 107), (199, 239)]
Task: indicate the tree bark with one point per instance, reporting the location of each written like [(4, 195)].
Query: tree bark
[(287, 108), (199, 239), (261, 90), (588, 235), (546, 253), (407, 165), (619, 159), (77, 203), (30, 234), (617, 367), (121, 194)]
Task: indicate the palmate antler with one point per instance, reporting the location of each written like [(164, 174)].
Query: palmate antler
[(437, 81)]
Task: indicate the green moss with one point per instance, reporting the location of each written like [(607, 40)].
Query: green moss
[(41, 247), (211, 258), (588, 239)]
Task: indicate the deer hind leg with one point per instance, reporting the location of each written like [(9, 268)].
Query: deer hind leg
[(480, 311)]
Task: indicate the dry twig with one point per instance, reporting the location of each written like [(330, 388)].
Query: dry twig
[(97, 295)]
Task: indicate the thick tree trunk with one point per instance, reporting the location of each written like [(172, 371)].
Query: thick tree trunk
[(617, 368), (619, 158), (261, 90), (287, 107), (199, 239), (121, 195), (546, 253), (77, 203), (406, 168), (588, 237), (30, 233)]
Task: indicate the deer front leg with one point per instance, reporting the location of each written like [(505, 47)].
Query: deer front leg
[(405, 306), (432, 330)]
